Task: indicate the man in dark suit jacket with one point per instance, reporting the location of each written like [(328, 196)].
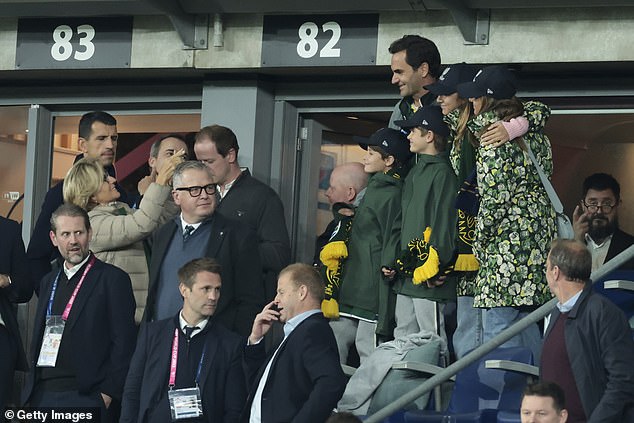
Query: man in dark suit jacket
[(16, 286), (302, 380), (96, 302), (596, 221), (98, 140), (199, 232), (209, 357), (247, 200)]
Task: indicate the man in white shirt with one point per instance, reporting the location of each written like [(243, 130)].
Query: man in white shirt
[(205, 356), (302, 379)]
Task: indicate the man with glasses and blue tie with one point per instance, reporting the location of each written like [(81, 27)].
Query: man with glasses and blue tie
[(200, 232), (596, 222)]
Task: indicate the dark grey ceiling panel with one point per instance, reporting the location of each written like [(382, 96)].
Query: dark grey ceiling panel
[(52, 8)]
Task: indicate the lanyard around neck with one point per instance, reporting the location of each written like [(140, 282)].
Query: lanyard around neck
[(174, 361), (71, 300)]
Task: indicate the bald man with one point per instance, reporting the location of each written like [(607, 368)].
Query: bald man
[(347, 185)]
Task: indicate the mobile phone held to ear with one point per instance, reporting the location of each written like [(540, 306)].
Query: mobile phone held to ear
[(274, 307)]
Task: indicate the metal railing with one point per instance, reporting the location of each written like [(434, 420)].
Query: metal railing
[(498, 340)]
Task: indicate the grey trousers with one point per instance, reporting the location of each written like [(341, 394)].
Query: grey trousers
[(349, 330), (414, 315)]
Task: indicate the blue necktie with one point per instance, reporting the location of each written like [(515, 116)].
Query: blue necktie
[(189, 229)]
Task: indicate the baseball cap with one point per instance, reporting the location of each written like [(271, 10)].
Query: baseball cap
[(428, 117), (451, 77), (390, 140), (493, 81)]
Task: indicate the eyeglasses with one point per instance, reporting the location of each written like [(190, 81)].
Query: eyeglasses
[(197, 190), (594, 207)]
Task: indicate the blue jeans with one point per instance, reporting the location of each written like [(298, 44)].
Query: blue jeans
[(497, 319), (469, 331)]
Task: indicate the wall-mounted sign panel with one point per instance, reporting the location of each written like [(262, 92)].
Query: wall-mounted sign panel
[(74, 43), (319, 40)]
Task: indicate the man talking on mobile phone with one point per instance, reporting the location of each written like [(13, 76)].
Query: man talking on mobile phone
[(300, 381), (596, 220)]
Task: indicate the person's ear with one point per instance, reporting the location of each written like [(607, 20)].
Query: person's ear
[(351, 195), (176, 198), (232, 155), (51, 234), (423, 70), (182, 288), (389, 161), (151, 162), (303, 292), (82, 144), (563, 416)]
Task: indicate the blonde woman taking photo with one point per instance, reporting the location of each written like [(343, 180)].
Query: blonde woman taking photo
[(117, 230)]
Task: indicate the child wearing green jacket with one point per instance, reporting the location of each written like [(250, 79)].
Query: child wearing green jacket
[(365, 299)]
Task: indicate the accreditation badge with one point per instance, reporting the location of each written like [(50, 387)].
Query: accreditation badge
[(51, 341), (185, 403)]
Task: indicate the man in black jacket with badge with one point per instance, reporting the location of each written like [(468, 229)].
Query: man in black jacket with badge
[(188, 356), (84, 331)]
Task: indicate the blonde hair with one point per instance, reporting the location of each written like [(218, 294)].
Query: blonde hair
[(82, 181)]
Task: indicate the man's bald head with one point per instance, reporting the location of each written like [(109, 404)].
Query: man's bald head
[(346, 182)]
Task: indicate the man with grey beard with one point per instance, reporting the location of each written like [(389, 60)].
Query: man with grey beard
[(596, 223)]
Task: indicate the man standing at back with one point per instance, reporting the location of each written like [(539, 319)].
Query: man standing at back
[(98, 140), (588, 348), (243, 198), (347, 186), (160, 151), (415, 63), (596, 220)]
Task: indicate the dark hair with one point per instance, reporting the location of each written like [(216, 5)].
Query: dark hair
[(86, 121), (384, 155), (440, 142), (70, 210), (418, 50), (156, 145), (304, 274), (221, 136), (187, 274), (506, 109), (547, 389), (572, 258), (600, 182)]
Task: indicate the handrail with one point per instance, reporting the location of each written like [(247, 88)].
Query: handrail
[(498, 340)]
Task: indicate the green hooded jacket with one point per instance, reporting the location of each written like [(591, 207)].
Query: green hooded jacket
[(374, 242), (428, 200)]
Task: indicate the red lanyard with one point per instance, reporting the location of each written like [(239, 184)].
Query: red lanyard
[(71, 301), (174, 361)]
